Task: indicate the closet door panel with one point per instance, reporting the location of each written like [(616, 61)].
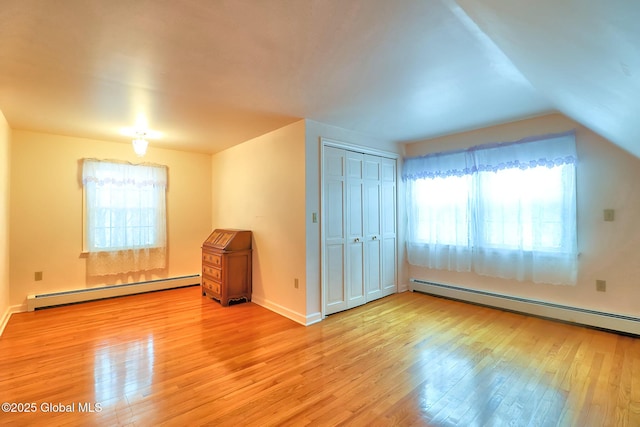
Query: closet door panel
[(372, 196), (388, 196), (335, 293), (388, 202), (372, 215), (389, 225), (355, 203), (388, 260), (355, 230), (334, 213), (355, 280), (373, 278), (334, 268)]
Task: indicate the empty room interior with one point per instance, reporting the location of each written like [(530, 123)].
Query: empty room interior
[(319, 212)]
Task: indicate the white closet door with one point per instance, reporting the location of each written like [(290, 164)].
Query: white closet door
[(373, 249), (358, 228), (355, 230), (334, 260), (388, 202)]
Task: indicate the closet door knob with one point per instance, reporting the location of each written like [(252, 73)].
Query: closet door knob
[(357, 239)]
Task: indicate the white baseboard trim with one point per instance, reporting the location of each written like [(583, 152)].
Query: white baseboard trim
[(5, 319), (12, 309), (598, 319), (90, 294), (313, 318), (284, 311)]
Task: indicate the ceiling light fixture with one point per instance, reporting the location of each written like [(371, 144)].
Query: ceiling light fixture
[(140, 136), (140, 143)]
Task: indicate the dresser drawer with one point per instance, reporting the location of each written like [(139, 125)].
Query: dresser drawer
[(212, 259), (211, 285), (212, 272)]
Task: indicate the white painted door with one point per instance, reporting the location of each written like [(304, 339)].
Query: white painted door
[(355, 230), (373, 249), (334, 202), (359, 228), (388, 201)]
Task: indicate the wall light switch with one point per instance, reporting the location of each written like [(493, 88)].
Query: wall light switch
[(37, 276), (609, 214)]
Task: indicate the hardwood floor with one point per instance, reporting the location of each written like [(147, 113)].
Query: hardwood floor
[(176, 358)]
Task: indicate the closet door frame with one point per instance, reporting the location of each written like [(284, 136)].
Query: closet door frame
[(327, 142)]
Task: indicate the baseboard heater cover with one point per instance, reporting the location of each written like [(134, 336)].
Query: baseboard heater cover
[(89, 294), (598, 319)]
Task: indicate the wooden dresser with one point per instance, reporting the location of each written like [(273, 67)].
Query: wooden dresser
[(226, 265)]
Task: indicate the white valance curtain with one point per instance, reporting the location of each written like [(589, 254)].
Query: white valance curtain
[(125, 223), (504, 210)]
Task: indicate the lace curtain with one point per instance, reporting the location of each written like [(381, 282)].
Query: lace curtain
[(125, 217), (504, 210)]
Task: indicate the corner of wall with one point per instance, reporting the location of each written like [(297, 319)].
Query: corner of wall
[(54, 194), (5, 168), (259, 185), (4, 319)]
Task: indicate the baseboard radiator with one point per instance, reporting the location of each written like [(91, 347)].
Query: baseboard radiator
[(598, 319), (81, 295)]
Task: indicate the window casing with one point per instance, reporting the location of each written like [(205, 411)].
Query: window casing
[(505, 210), (125, 216)]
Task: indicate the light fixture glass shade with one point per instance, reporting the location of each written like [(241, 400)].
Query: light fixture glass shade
[(140, 146)]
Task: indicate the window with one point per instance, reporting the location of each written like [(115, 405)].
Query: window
[(125, 216), (441, 205), (505, 210), (523, 209)]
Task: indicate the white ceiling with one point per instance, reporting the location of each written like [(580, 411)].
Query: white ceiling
[(209, 74)]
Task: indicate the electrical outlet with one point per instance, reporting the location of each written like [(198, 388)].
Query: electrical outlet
[(601, 285), (609, 215), (37, 276), (295, 283)]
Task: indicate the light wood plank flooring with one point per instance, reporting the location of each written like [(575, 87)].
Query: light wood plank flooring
[(177, 358)]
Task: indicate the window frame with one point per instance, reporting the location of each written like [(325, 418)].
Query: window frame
[(86, 217), (481, 238), (488, 256)]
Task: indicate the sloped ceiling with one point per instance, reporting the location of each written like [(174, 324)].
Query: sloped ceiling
[(211, 74), (582, 57)]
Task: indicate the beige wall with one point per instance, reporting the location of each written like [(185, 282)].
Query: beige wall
[(260, 186), (46, 210), (271, 185), (607, 177), (5, 168)]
